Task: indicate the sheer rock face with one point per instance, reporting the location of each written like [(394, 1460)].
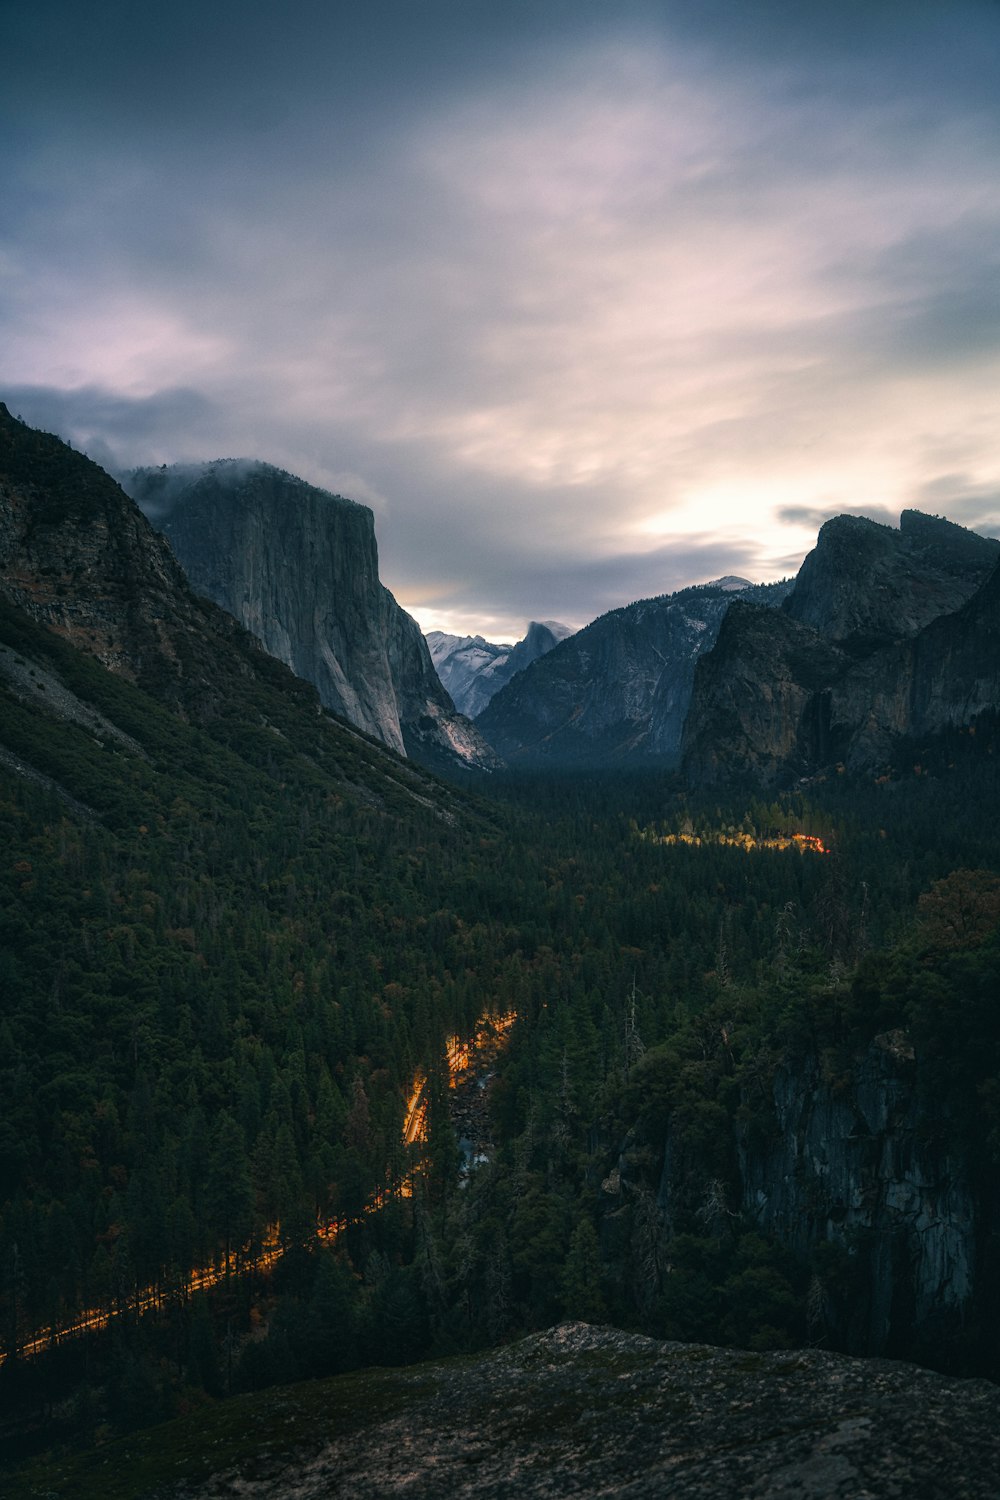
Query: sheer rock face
[(299, 568), (864, 584), (886, 635), (947, 675), (618, 690), (761, 699), (859, 1167), (474, 670)]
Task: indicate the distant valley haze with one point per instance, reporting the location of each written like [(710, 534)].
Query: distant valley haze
[(587, 302)]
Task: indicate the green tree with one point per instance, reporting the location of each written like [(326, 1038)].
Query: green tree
[(581, 1277)]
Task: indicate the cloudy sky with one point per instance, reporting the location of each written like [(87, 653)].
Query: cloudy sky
[(586, 300)]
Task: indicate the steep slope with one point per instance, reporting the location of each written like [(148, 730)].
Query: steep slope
[(885, 635), (619, 689), (299, 568), (760, 702), (945, 677), (78, 557), (474, 670), (465, 665), (212, 936)]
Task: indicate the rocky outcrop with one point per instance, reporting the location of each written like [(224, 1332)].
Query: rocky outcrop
[(474, 670), (864, 585), (947, 676), (80, 559), (466, 665), (858, 1167), (618, 690), (853, 1167), (578, 1410), (299, 568), (886, 636)]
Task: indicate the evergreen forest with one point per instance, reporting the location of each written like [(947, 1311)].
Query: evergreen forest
[(229, 946)]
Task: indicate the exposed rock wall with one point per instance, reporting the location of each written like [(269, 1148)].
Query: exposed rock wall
[(618, 690), (886, 635), (78, 556), (761, 699), (299, 568), (470, 668), (856, 1166), (860, 1162), (865, 584)]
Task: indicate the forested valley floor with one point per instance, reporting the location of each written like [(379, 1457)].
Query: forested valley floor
[(223, 963)]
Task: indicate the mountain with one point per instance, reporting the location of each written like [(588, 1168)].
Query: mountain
[(246, 951), (618, 690), (474, 670), (299, 568), (886, 635), (78, 558), (214, 900), (865, 584)]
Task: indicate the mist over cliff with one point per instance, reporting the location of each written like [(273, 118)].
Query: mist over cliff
[(299, 568)]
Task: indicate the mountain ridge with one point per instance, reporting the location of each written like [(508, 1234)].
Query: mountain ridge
[(617, 691), (79, 559), (886, 634)]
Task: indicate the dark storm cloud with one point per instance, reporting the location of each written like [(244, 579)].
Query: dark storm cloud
[(557, 288), (529, 584), (112, 429)]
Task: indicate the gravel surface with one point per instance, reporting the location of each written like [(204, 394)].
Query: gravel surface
[(593, 1412)]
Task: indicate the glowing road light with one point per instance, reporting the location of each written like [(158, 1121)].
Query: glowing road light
[(804, 842), (491, 1033)]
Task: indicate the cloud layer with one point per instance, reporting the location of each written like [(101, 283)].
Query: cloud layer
[(587, 304)]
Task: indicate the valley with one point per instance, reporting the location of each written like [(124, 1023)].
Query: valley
[(253, 960), (499, 751)]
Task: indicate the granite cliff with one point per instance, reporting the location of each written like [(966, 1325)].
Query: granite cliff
[(859, 1168), (299, 568), (618, 690), (79, 558), (886, 636), (474, 670), (849, 1169), (865, 584)]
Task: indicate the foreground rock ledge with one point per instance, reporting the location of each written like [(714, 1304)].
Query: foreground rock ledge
[(590, 1411)]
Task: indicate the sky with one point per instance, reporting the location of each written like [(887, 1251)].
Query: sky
[(587, 301)]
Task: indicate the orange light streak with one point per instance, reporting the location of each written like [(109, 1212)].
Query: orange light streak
[(491, 1031), (800, 841)]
